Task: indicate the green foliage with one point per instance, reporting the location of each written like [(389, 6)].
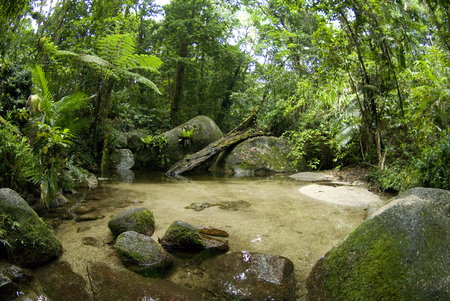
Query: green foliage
[(311, 145), (434, 165), (6, 223), (15, 86), (159, 143), (17, 163), (395, 178)]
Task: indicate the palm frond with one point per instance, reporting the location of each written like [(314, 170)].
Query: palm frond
[(38, 77)]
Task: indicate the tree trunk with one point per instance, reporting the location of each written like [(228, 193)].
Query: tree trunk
[(193, 161), (178, 83), (235, 136)]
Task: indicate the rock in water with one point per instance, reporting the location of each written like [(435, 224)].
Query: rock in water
[(108, 284), (255, 156), (253, 276), (141, 253), (401, 252), (140, 220), (182, 235), (61, 283), (31, 242)]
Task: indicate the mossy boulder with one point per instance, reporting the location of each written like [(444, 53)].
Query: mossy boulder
[(182, 236), (205, 132), (30, 241), (255, 156), (401, 252), (141, 253), (140, 220)]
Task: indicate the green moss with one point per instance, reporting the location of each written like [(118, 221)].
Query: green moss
[(142, 219), (184, 234), (368, 266)]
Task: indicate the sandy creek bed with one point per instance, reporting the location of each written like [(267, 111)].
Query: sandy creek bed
[(279, 219)]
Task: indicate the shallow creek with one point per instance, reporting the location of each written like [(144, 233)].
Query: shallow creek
[(267, 215)]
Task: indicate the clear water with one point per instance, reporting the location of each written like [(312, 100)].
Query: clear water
[(264, 214)]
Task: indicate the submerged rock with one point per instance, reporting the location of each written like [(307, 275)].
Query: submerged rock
[(399, 253), (198, 206), (140, 220), (108, 284), (211, 231), (7, 288), (31, 242), (252, 276), (255, 156), (60, 282), (141, 253)]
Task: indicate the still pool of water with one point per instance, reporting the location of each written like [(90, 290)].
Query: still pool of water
[(264, 214)]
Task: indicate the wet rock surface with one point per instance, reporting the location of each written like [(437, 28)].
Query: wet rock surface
[(252, 276), (398, 253), (109, 284), (59, 282), (31, 241), (141, 253), (140, 220)]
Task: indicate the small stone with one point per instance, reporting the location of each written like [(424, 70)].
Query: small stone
[(89, 217), (198, 206), (212, 231), (84, 209), (90, 241)]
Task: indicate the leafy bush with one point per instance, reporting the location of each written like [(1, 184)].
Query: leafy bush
[(434, 166), (17, 162)]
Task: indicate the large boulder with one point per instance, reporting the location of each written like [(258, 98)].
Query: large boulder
[(140, 220), (401, 252), (255, 156), (30, 241), (252, 276), (122, 159), (141, 253), (205, 131)]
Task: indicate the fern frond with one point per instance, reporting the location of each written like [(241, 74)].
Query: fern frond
[(141, 79), (118, 49), (147, 61), (95, 60)]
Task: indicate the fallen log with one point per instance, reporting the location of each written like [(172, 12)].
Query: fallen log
[(195, 160)]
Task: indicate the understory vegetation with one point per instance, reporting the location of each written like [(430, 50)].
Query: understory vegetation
[(358, 82)]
